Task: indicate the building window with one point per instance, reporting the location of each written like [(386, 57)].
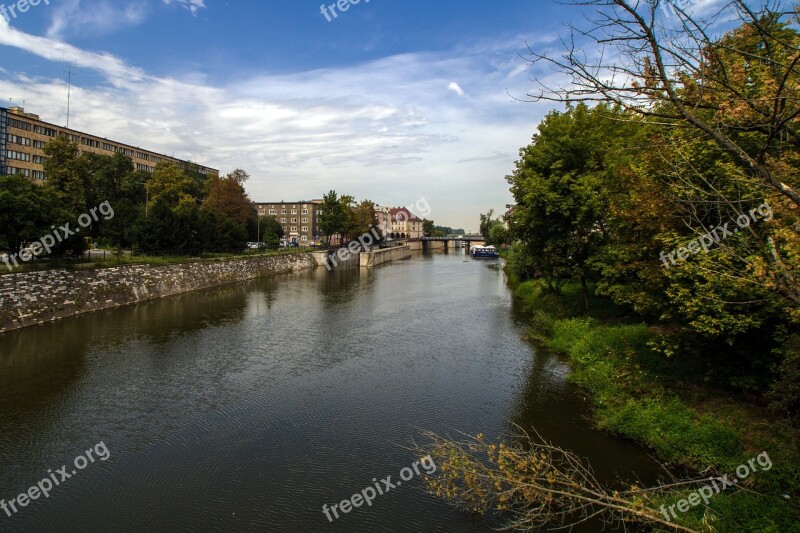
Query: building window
[(305, 212), (294, 221), (294, 211), (283, 221), (38, 159), (283, 211), (23, 171), (19, 156), (272, 212), (20, 125), (39, 175), (41, 130), (15, 139), (304, 228), (294, 229), (304, 238), (39, 144), (304, 221)]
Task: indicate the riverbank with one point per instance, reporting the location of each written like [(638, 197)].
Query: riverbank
[(683, 422), (31, 298)]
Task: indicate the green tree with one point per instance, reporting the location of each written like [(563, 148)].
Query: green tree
[(332, 216), (28, 211), (560, 190), (271, 230), (364, 218), (170, 184), (67, 174)]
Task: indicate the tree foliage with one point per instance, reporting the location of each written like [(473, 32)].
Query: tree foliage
[(691, 136), (168, 209)]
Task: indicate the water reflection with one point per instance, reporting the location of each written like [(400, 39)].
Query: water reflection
[(250, 406)]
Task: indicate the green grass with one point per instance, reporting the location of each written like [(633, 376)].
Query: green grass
[(611, 357)]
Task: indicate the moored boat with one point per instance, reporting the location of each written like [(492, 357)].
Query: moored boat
[(484, 252)]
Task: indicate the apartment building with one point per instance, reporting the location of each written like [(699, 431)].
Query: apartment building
[(23, 137), (300, 220)]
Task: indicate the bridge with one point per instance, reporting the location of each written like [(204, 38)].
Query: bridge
[(457, 241), (466, 238)]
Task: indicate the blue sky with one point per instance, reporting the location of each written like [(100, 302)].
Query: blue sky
[(393, 100)]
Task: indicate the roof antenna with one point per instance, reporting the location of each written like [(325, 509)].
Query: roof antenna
[(69, 89)]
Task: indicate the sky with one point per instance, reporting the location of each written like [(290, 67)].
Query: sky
[(392, 101)]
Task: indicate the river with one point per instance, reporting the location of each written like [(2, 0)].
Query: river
[(249, 407)]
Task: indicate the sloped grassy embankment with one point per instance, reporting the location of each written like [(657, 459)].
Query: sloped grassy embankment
[(637, 396)]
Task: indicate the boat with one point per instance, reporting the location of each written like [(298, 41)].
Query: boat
[(484, 252)]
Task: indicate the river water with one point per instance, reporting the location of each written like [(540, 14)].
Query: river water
[(249, 407)]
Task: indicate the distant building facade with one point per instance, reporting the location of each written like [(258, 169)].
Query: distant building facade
[(23, 137), (300, 220), (403, 224), (383, 216)]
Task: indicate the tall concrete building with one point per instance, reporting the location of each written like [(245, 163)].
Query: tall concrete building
[(23, 137), (300, 220)]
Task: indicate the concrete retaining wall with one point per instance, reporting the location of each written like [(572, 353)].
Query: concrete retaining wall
[(32, 298), (378, 257), (332, 260), (417, 246)]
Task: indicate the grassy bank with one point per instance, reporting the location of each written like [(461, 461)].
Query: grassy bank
[(683, 422)]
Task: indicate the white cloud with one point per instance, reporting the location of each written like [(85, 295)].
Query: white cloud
[(382, 130), (453, 86), (74, 17), (192, 6)]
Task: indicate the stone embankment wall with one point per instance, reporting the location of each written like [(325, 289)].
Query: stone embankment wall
[(32, 298), (418, 246), (378, 257)]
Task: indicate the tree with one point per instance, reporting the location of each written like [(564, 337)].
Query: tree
[(28, 211), (536, 484), (739, 92), (67, 174), (170, 184), (332, 216), (559, 186), (427, 227), (498, 235), (227, 195), (364, 218), (271, 230)]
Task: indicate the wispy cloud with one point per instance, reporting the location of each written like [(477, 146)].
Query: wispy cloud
[(76, 17), (193, 6), (387, 129)]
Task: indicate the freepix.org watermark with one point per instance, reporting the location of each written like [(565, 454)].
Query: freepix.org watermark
[(59, 234), (342, 5), (419, 209), (22, 6), (54, 479), (379, 488), (717, 485), (717, 234)]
